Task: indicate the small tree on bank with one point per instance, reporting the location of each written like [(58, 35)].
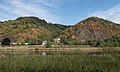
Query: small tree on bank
[(48, 45)]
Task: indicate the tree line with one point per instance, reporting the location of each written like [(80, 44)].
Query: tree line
[(111, 42)]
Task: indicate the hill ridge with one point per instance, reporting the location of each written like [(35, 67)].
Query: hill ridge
[(29, 29), (92, 28)]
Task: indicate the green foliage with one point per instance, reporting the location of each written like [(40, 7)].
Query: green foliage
[(27, 40), (48, 45), (93, 43), (64, 41), (25, 29), (112, 42), (68, 41), (32, 43), (60, 63), (56, 29)]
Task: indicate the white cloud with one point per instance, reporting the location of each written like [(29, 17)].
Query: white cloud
[(43, 9), (48, 3), (112, 14)]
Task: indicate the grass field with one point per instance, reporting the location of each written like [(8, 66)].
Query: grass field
[(105, 60), (60, 63)]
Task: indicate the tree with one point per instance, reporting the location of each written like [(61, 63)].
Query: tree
[(93, 43), (64, 41), (48, 45)]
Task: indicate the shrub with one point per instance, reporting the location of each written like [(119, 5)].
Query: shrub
[(48, 45), (64, 41)]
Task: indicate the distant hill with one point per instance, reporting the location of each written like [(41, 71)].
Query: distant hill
[(33, 29), (92, 28), (29, 29)]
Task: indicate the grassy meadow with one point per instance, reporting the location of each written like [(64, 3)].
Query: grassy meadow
[(73, 62)]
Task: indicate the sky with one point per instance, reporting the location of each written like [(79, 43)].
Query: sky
[(67, 12)]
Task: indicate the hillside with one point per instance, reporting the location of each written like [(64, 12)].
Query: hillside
[(29, 29), (92, 28)]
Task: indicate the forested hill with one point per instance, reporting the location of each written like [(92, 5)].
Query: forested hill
[(29, 29), (33, 29), (92, 28)]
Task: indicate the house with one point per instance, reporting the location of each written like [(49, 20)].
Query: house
[(19, 43), (14, 43), (57, 40), (44, 43), (26, 43)]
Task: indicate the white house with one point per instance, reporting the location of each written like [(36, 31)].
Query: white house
[(57, 40), (26, 43), (44, 43), (19, 43), (14, 43)]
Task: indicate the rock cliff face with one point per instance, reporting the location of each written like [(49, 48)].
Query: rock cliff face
[(92, 28)]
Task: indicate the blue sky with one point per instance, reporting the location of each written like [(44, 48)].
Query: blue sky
[(66, 12)]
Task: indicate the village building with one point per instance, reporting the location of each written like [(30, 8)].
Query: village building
[(26, 43), (57, 40), (44, 43)]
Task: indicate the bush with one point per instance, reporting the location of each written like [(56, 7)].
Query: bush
[(64, 41), (93, 43), (48, 45), (32, 43), (112, 42)]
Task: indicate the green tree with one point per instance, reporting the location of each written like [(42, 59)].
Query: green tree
[(64, 41), (48, 45), (93, 43)]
